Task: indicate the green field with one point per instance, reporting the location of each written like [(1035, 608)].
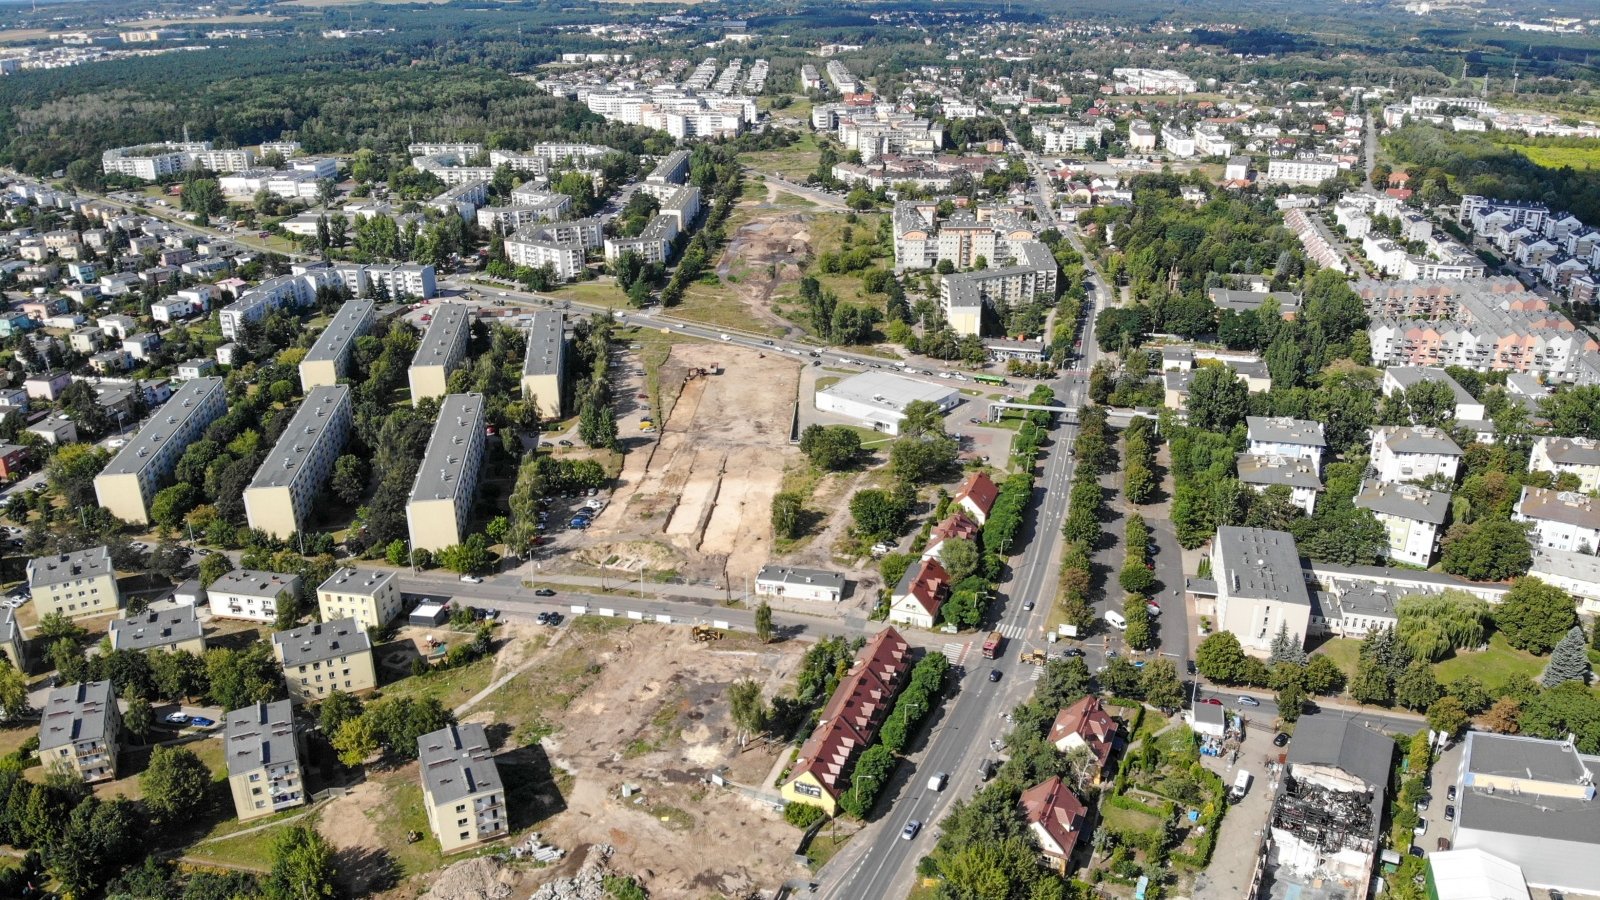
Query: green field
[(1493, 666), (795, 161), (1562, 157)]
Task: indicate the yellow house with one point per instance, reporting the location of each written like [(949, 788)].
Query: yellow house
[(440, 351), (263, 751), (78, 584), (169, 629), (440, 509), (369, 596), (461, 788), (324, 657)]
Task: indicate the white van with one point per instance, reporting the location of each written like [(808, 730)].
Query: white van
[(936, 781), (1116, 620), (726, 337)]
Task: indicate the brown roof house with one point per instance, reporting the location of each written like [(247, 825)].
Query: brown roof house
[(976, 497), (920, 593), (1086, 724), (1055, 818), (849, 722)]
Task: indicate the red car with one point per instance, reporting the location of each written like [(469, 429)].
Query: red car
[(1212, 700)]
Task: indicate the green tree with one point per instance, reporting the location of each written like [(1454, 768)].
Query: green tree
[(349, 482), (170, 504), (1569, 661), (1416, 688), (338, 709), (746, 707), (959, 557), (764, 623), (1286, 647), (472, 555), (787, 508), (1160, 684), (1140, 633), (1433, 625), (1372, 684), (355, 741), (213, 567), (878, 514), (1291, 702), (830, 448), (175, 784), (302, 866), (13, 691), (1217, 399), (1488, 550), (1535, 616), (1220, 658), (1323, 676), (1448, 716), (138, 718), (597, 425)]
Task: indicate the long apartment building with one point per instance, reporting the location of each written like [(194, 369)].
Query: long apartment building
[(299, 288), (286, 487), (560, 245), (543, 366), (461, 787), (329, 358), (130, 481), (966, 295), (879, 130), (151, 162), (79, 731), (1487, 324), (1301, 171), (263, 750), (369, 596), (681, 112), (442, 496), (399, 281), (76, 584), (441, 349)]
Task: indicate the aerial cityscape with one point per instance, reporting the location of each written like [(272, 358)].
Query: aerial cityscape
[(567, 450)]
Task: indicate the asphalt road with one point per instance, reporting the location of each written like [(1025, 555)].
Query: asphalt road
[(880, 863)]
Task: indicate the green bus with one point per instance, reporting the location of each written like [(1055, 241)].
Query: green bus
[(990, 379)]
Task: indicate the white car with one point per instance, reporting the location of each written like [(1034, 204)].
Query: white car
[(471, 579)]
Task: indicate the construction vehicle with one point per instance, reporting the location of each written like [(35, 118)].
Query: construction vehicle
[(991, 646), (704, 633), (1033, 657)]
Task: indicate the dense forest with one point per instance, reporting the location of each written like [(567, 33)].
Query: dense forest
[(1446, 164)]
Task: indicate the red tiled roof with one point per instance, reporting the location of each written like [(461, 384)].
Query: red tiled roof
[(981, 489), (955, 525), (855, 711), (927, 584), (1089, 720), (1054, 807)]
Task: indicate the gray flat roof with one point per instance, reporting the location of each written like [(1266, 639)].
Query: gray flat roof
[(456, 763), (65, 567), (1284, 430), (1405, 501), (1526, 812), (1260, 563), (350, 322), (546, 343), (75, 712), (450, 326), (9, 629), (793, 575), (349, 580), (443, 470), (1406, 376), (184, 402), (253, 583), (321, 640), (259, 735), (308, 427), (1274, 469), (1408, 439), (663, 170), (155, 629)]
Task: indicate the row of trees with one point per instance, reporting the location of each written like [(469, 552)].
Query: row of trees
[(872, 770), (1093, 452)]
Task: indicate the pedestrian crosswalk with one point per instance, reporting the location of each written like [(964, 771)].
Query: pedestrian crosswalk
[(1035, 673), (954, 652), (1010, 632)]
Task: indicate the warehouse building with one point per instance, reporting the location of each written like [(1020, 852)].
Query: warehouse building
[(878, 400)]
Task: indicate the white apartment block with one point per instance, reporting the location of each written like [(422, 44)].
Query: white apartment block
[(1286, 437), (400, 281), (151, 162), (440, 510), (1412, 516), (289, 484), (1559, 520), (128, 483), (250, 594), (1576, 456), (1301, 171), (293, 290), (1177, 141), (1151, 81), (441, 349), (1405, 453)]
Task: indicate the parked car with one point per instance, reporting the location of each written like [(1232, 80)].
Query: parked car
[(201, 722), (1450, 813), (1421, 829), (911, 829), (1249, 701), (555, 619), (1192, 669), (1280, 740), (542, 618), (1071, 652), (471, 579), (544, 592), (1417, 851), (1450, 793), (1212, 700), (176, 718)]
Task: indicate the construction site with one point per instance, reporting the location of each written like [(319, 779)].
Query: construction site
[(1321, 838), (696, 501)]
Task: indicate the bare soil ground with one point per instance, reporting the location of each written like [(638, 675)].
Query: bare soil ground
[(618, 704), (698, 500), (764, 255)]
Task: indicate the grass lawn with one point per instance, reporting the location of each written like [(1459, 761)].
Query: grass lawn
[(1557, 157), (251, 851), (1120, 819), (1344, 652), (595, 293), (823, 847), (710, 302), (1493, 666), (794, 162), (449, 686)]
